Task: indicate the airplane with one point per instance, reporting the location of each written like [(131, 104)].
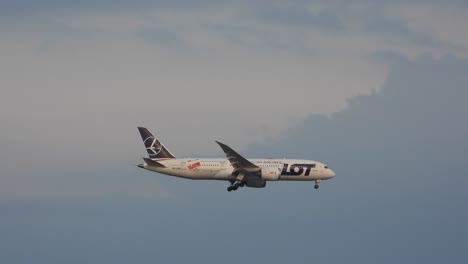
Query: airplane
[(235, 169)]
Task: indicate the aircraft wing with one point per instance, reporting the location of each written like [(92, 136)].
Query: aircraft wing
[(237, 161)]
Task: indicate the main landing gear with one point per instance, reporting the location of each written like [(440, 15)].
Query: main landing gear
[(235, 185)]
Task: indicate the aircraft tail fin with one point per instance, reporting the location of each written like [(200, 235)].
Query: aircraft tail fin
[(155, 149)]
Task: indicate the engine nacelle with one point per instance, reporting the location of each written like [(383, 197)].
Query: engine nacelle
[(270, 174), (256, 183)]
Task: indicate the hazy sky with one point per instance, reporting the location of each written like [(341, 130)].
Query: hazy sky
[(375, 90)]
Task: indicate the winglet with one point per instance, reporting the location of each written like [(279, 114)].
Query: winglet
[(225, 147)]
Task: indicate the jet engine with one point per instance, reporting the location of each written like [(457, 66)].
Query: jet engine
[(256, 183), (270, 174)]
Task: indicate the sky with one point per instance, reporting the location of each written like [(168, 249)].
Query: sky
[(375, 90)]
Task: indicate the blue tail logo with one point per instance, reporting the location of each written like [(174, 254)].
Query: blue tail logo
[(155, 149), (152, 146)]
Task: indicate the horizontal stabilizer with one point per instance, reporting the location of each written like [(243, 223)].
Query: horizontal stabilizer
[(153, 163)]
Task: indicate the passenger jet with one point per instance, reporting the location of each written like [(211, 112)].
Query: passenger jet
[(235, 169)]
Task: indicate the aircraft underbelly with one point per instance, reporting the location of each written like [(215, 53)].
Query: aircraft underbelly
[(298, 178), (195, 174)]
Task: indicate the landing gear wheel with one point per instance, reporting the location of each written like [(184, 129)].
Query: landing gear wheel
[(230, 188), (235, 187), (316, 186), (242, 184)]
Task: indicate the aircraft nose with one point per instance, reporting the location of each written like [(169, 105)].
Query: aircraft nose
[(331, 173)]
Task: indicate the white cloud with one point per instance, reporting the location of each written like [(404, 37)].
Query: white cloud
[(446, 23), (76, 85)]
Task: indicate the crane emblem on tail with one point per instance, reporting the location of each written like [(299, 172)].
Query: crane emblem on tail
[(152, 145)]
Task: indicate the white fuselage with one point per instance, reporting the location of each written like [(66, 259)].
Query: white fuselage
[(221, 169)]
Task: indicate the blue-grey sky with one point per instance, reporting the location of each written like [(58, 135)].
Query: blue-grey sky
[(375, 90)]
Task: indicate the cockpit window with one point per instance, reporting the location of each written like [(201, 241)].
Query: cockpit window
[(326, 167)]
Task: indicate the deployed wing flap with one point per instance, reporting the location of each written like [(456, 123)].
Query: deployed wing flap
[(237, 161)]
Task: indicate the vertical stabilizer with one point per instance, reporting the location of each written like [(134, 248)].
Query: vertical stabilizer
[(155, 149)]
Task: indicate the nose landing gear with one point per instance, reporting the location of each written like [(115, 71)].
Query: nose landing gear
[(316, 186)]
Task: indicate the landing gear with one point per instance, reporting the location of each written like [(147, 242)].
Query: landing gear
[(235, 185), (317, 184)]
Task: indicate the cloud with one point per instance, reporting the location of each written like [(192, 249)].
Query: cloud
[(443, 22), (175, 62), (77, 81), (421, 104), (298, 14), (400, 156)]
